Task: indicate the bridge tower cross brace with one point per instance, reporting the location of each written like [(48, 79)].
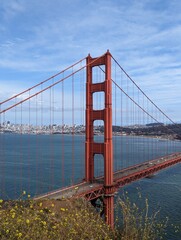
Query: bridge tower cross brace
[(104, 148)]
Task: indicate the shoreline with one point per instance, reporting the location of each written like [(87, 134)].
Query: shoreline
[(159, 138)]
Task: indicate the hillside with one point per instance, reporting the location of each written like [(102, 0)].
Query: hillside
[(75, 219)]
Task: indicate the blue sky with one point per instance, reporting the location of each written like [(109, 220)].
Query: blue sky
[(39, 38)]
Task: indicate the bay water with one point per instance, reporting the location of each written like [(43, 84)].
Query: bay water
[(41, 163)]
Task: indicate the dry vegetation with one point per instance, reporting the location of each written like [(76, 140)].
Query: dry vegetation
[(51, 219), (138, 224), (76, 219)]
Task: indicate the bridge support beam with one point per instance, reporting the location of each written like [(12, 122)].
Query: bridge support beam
[(106, 148)]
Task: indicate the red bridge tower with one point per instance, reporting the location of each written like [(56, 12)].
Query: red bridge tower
[(104, 148)]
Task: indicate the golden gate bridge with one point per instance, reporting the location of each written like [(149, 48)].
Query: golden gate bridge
[(97, 116)]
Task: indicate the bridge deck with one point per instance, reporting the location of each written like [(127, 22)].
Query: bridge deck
[(121, 178)]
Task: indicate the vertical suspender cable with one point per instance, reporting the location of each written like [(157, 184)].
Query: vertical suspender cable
[(16, 150), (21, 149), (127, 123), (82, 101), (36, 149), (122, 160), (3, 161), (62, 138), (50, 137), (73, 155), (41, 142), (53, 142), (133, 123), (2, 155), (29, 141), (115, 122)]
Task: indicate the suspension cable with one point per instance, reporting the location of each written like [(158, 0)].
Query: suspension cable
[(50, 86), (143, 92), (46, 80)]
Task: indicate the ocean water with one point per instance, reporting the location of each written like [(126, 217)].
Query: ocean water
[(42, 163)]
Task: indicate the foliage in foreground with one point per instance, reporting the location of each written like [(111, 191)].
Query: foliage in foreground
[(65, 219), (51, 219), (137, 223)]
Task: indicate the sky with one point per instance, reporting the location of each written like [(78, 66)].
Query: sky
[(40, 38)]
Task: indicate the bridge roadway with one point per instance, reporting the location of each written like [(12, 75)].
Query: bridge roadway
[(123, 177)]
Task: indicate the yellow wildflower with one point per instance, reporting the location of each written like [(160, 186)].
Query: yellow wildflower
[(27, 221), (20, 234)]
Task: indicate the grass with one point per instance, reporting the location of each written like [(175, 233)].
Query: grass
[(74, 219)]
